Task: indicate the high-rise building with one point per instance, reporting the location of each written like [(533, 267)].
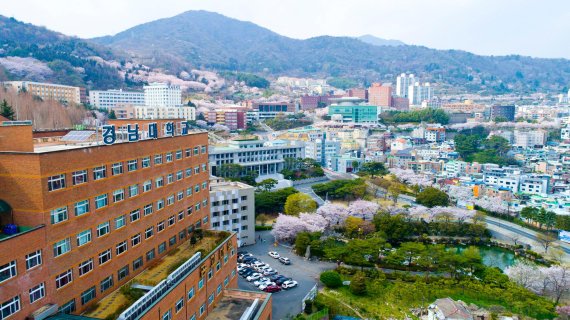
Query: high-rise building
[(159, 94), (322, 150), (48, 91), (114, 98), (380, 95), (417, 93), (233, 209), (506, 112), (83, 218), (403, 82)]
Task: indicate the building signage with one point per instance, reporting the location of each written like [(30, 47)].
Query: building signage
[(133, 132)]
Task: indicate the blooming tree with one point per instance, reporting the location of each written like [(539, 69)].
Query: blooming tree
[(411, 178), (460, 193), (363, 209), (335, 214), (314, 222), (494, 204), (551, 281), (286, 227)]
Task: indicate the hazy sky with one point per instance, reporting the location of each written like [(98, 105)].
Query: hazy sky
[(538, 28)]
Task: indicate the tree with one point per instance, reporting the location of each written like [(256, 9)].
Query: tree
[(6, 110), (394, 191), (373, 169), (262, 218), (274, 201), (358, 284), (230, 170), (432, 197), (363, 209), (352, 225), (266, 185), (331, 279), (335, 214), (112, 115), (299, 202), (545, 240), (529, 213), (302, 241)]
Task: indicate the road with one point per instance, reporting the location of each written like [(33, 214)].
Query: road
[(308, 189)]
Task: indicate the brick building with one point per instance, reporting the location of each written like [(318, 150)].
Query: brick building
[(380, 95), (90, 218)]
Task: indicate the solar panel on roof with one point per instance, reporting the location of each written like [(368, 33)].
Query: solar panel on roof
[(77, 135)]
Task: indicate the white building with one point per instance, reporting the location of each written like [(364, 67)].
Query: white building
[(47, 91), (162, 95), (232, 208), (113, 98), (262, 157), (182, 112), (506, 178), (454, 169), (417, 93), (530, 139), (535, 184), (403, 82), (321, 151)]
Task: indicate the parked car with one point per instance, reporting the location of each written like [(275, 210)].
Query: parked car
[(289, 284), (247, 272), (252, 277), (273, 254), (272, 289), (261, 281), (269, 272), (280, 281), (265, 285), (277, 277), (285, 260)]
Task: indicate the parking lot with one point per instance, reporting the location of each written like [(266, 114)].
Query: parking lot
[(287, 303)]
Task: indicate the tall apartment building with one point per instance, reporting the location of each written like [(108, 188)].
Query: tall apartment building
[(380, 95), (114, 98), (507, 112), (530, 139), (262, 157), (82, 219), (48, 91), (403, 82), (159, 94), (233, 209), (417, 93), (322, 150), (354, 110)]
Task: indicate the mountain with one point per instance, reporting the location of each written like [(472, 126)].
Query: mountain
[(38, 54), (375, 41), (209, 40)]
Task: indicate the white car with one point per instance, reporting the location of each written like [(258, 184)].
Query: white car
[(254, 276), (273, 254), (261, 281), (265, 285), (289, 284)]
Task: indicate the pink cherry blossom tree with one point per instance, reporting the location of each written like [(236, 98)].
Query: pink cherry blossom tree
[(363, 209), (287, 227), (313, 222), (335, 214)]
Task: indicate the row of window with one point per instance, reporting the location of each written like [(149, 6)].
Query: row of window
[(57, 182), (227, 201), (84, 237), (82, 207)]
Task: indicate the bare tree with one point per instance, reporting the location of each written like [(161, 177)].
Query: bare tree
[(545, 240)]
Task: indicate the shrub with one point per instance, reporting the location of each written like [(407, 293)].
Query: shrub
[(331, 279), (358, 284)]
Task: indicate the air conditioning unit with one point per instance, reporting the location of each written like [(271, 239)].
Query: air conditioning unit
[(44, 312)]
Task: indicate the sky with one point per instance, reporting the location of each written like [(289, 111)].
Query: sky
[(538, 28)]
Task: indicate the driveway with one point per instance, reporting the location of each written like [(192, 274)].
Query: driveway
[(287, 303)]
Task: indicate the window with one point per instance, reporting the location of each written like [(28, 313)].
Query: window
[(203, 149), (191, 293), (205, 186), (243, 198), (160, 226), (117, 168), (123, 272), (205, 203), (180, 215), (58, 215), (179, 175), (135, 215), (56, 182), (133, 190), (204, 167), (8, 271), (137, 263), (79, 177), (33, 259), (120, 222), (37, 292), (150, 255), (171, 220), (85, 267), (132, 165), (64, 279), (244, 227), (84, 237), (169, 178), (159, 204), (167, 315), (145, 162), (178, 154), (243, 218), (196, 151), (158, 159), (161, 247), (61, 247), (121, 247), (147, 185), (218, 289), (147, 209), (81, 207), (200, 283), (196, 169), (101, 201), (179, 304), (180, 195), (211, 298), (104, 256), (218, 266), (103, 229), (210, 274), (170, 200), (106, 283), (136, 239), (88, 295), (188, 152), (197, 206), (172, 241), (188, 172), (159, 182), (197, 188), (202, 309), (149, 232), (100, 172), (118, 195), (68, 307), (189, 191), (169, 157), (226, 281), (9, 307)]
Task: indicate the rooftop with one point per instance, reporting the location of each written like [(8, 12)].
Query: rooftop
[(235, 303), (121, 299)]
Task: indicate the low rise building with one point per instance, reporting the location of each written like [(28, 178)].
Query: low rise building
[(113, 98), (530, 138), (322, 150), (47, 91), (354, 110)]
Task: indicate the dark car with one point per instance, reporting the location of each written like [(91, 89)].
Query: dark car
[(276, 277), (245, 270), (249, 260), (272, 289), (248, 273), (281, 280)]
